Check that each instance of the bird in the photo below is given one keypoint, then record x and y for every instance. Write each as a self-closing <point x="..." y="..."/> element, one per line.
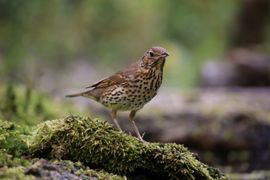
<point x="131" y="88"/>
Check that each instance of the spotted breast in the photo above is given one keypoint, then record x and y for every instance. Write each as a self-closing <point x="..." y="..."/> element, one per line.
<point x="135" y="93"/>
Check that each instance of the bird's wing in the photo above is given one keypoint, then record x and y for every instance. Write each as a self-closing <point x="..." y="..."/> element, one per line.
<point x="118" y="78"/>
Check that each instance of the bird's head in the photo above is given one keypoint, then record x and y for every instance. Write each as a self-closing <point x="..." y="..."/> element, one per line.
<point x="154" y="56"/>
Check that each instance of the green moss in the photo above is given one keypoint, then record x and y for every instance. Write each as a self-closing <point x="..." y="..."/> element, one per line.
<point x="12" y="147"/>
<point x="90" y="141"/>
<point x="14" y="173"/>
<point x="102" y="175"/>
<point x="99" y="145"/>
<point x="8" y="160"/>
<point x="11" y="139"/>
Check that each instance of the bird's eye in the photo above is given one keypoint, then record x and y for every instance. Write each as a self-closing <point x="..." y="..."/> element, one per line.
<point x="151" y="54"/>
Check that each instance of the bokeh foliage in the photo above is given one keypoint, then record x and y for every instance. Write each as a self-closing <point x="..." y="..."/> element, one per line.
<point x="35" y="34"/>
<point x="25" y="106"/>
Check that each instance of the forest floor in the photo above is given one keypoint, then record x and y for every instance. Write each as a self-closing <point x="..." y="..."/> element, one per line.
<point x="226" y="128"/>
<point x="229" y="128"/>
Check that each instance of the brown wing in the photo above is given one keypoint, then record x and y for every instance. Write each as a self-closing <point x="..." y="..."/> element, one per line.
<point x="118" y="78"/>
<point x="98" y="88"/>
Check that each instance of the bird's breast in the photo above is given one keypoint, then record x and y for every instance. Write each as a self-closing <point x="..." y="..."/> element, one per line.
<point x="133" y="94"/>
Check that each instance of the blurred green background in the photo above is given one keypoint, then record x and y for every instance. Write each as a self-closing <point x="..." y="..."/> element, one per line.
<point x="37" y="35"/>
<point x="52" y="48"/>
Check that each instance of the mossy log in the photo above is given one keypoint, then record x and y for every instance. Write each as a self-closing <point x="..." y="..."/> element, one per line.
<point x="98" y="145"/>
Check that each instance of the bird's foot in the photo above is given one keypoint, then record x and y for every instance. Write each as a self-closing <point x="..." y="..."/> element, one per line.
<point x="140" y="138"/>
<point x="145" y="142"/>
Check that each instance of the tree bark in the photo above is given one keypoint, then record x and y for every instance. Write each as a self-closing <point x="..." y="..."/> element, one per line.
<point x="250" y="24"/>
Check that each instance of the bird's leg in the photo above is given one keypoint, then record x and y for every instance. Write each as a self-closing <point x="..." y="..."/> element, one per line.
<point x="131" y="118"/>
<point x="113" y="114"/>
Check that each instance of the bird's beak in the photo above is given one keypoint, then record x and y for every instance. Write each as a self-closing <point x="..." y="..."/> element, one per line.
<point x="166" y="54"/>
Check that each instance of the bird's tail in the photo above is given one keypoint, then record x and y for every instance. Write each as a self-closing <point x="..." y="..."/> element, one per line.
<point x="74" y="95"/>
<point x="92" y="94"/>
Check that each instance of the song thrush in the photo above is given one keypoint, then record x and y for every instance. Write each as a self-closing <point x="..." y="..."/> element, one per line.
<point x="131" y="88"/>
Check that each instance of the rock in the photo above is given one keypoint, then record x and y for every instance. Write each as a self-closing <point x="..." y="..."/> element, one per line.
<point x="43" y="169"/>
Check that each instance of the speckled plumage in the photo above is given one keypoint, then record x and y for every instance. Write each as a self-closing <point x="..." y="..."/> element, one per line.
<point x="131" y="88"/>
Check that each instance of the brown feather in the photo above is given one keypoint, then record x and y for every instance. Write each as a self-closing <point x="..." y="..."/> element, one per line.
<point x="117" y="78"/>
<point x="73" y="95"/>
<point x="92" y="94"/>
